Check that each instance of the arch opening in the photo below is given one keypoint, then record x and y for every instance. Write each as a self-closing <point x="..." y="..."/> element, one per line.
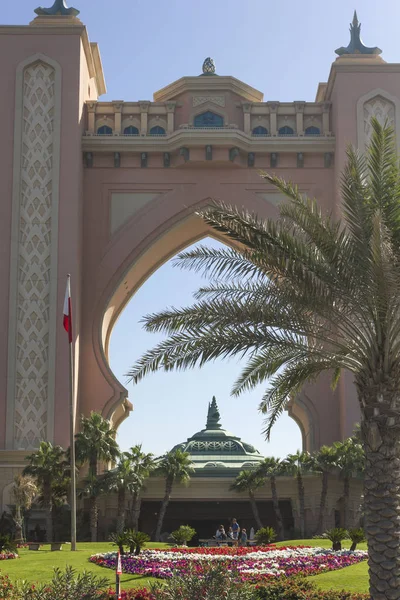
<point x="170" y="407"/>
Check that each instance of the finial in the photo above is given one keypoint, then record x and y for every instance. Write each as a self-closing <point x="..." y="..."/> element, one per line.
<point x="356" y="45"/>
<point x="209" y="67"/>
<point x="213" y="416"/>
<point x="59" y="8"/>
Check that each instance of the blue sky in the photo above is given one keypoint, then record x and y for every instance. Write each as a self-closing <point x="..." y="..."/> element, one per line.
<point x="282" y="49"/>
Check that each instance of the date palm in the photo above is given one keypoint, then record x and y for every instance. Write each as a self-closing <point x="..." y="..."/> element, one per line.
<point x="270" y="468"/>
<point x="143" y="464"/>
<point x="48" y="468"/>
<point x="305" y="294"/>
<point x="250" y="482"/>
<point x="297" y="465"/>
<point x="122" y="480"/>
<point x="95" y="442"/>
<point x="176" y="467"/>
<point x="325" y="461"/>
<point x="351" y="461"/>
<point x="24" y="492"/>
<point x="92" y="488"/>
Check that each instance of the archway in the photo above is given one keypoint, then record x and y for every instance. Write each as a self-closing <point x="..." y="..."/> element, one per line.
<point x="162" y="399"/>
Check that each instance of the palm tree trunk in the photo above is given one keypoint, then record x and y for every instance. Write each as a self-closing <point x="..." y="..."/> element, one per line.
<point x="346" y="497"/>
<point x="300" y="489"/>
<point x="121" y="511"/>
<point x="93" y="518"/>
<point x="19" y="538"/>
<point x="137" y="501"/>
<point x="254" y="508"/>
<point x="163" y="510"/>
<point x="382" y="508"/>
<point x="322" y="503"/>
<point x="47" y="502"/>
<point x="277" y="510"/>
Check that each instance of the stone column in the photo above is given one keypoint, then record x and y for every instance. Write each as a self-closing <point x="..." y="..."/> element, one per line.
<point x="91" y="107"/>
<point x="117" y="104"/>
<point x="273" y="110"/>
<point x="326" y="110"/>
<point x="144" y="110"/>
<point x="171" y="116"/>
<point x="299" y="107"/>
<point x="247" y="117"/>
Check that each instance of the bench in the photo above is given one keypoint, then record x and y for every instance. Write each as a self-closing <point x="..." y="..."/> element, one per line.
<point x="56" y="546"/>
<point x="34" y="545"/>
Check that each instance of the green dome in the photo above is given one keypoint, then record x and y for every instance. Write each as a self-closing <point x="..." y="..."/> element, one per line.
<point x="218" y="452"/>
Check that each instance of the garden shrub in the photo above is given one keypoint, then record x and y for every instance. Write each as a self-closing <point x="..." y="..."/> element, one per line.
<point x="336" y="536"/>
<point x="301" y="589"/>
<point x="266" y="535"/>
<point x="357" y="536"/>
<point x="184" y="534"/>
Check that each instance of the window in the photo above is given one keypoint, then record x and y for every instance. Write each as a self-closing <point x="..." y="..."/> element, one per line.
<point x="157" y="130"/>
<point x="312" y="131"/>
<point x="131" y="130"/>
<point x="286" y="130"/>
<point x="260" y="130"/>
<point x="104" y="130"/>
<point x="208" y="119"/>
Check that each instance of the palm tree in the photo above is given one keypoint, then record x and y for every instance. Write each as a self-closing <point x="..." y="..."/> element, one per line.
<point x="297" y="465"/>
<point x="92" y="487"/>
<point x="270" y="468"/>
<point x="48" y="468"/>
<point x="122" y="479"/>
<point x="249" y="481"/>
<point x="95" y="442"/>
<point x="24" y="492"/>
<point x="350" y="460"/>
<point x="324" y="462"/>
<point x="307" y="294"/>
<point x="143" y="465"/>
<point x="176" y="467"/>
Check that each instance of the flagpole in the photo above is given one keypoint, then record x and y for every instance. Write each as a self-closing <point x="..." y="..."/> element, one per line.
<point x="72" y="436"/>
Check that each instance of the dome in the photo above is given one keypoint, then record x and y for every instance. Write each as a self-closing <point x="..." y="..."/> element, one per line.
<point x="216" y="451"/>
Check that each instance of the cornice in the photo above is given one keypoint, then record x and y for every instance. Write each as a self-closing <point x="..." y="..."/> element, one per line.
<point x="197" y="84"/>
<point x="192" y="139"/>
<point x="64" y="26"/>
<point x="357" y="65"/>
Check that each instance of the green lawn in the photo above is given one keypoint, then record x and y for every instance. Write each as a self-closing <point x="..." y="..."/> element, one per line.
<point x="38" y="566"/>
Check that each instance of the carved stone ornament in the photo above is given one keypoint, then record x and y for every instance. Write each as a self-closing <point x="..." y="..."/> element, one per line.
<point x="380" y="108"/>
<point x="59" y="8"/>
<point x="209" y="66"/>
<point x="218" y="100"/>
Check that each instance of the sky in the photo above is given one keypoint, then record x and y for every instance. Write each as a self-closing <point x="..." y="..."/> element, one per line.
<point x="283" y="49"/>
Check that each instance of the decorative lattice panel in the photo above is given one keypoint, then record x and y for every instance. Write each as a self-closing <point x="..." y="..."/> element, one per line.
<point x="380" y="108"/>
<point x="34" y="249"/>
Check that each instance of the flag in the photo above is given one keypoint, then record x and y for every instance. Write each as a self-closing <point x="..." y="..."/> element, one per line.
<point x="119" y="566"/>
<point x="67" y="316"/>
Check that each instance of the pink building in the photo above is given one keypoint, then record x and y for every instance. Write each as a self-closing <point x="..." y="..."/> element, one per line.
<point x="106" y="191"/>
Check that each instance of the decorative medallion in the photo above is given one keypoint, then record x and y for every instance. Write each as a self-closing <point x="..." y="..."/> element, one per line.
<point x="59" y="8"/>
<point x="356" y="45"/>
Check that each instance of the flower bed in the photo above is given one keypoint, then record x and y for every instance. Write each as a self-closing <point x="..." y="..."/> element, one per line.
<point x="8" y="555"/>
<point x="245" y="564"/>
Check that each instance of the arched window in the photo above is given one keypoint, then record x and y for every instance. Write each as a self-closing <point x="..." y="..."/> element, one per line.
<point x="208" y="119"/>
<point x="104" y="130"/>
<point x="131" y="130"/>
<point x="260" y="130"/>
<point x="157" y="130"/>
<point x="312" y="131"/>
<point x="286" y="130"/>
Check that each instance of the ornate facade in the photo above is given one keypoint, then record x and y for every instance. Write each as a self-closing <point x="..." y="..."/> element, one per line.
<point x="107" y="191"/>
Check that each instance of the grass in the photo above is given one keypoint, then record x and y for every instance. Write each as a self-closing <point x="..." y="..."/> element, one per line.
<point x="37" y="566"/>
